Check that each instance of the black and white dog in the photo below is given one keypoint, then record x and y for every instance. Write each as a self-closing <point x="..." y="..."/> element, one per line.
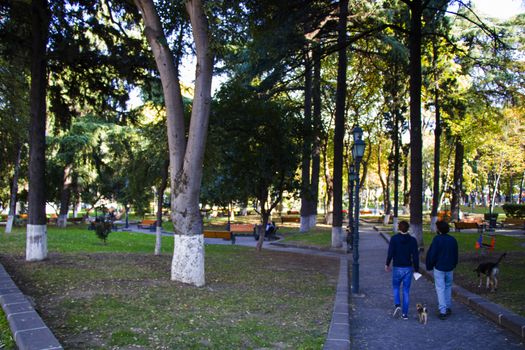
<point x="491" y="271"/>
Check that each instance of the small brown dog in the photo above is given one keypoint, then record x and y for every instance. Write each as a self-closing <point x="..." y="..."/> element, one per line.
<point x="422" y="314"/>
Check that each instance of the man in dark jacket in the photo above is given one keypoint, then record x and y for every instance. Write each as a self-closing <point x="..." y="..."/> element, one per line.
<point x="442" y="257"/>
<point x="402" y="249"/>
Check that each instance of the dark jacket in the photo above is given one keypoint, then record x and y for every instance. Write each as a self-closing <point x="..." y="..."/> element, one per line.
<point x="443" y="253"/>
<point x="403" y="250"/>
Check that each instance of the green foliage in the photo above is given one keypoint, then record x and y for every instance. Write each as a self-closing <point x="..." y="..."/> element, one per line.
<point x="514" y="210"/>
<point x="253" y="147"/>
<point x="6" y="339"/>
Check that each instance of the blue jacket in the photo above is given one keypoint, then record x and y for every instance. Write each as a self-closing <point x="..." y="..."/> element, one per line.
<point x="443" y="253"/>
<point x="403" y="250"/>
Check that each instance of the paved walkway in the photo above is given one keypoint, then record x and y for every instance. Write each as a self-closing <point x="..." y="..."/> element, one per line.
<point x="372" y="325"/>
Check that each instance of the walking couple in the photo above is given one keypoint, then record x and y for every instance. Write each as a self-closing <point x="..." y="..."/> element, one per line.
<point x="442" y="257"/>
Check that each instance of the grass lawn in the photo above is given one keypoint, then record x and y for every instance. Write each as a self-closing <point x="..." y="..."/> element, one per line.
<point x="119" y="295"/>
<point x="511" y="291"/>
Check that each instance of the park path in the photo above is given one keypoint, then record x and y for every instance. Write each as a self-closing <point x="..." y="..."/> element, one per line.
<point x="372" y="326"/>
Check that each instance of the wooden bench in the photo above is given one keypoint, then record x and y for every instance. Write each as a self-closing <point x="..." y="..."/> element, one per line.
<point x="227" y="235"/>
<point x="513" y="222"/>
<point x="147" y="224"/>
<point x="467" y="225"/>
<point x="365" y="212"/>
<point x="290" y="219"/>
<point x="76" y="221"/>
<point x="242" y="229"/>
<point x="444" y="215"/>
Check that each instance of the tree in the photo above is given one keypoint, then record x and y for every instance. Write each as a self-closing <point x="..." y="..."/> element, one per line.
<point x="36" y="243"/>
<point x="337" y="223"/>
<point x="261" y="155"/>
<point x="186" y="158"/>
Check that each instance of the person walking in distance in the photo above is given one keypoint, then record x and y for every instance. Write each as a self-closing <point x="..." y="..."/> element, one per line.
<point x="402" y="250"/>
<point x="442" y="257"/>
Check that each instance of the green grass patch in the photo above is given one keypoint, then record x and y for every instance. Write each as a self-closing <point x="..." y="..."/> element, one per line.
<point x="96" y="296"/>
<point x="6" y="340"/>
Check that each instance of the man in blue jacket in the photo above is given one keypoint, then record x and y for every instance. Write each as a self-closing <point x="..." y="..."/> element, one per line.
<point x="402" y="249"/>
<point x="442" y="257"/>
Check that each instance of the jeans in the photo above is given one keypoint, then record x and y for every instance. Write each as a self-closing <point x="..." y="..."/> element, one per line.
<point x="443" y="282"/>
<point x="402" y="275"/>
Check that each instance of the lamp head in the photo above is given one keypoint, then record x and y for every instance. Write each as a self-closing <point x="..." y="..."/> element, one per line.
<point x="357" y="133"/>
<point x="358" y="150"/>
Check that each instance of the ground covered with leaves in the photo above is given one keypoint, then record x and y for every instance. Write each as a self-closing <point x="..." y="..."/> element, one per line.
<point x="251" y="300"/>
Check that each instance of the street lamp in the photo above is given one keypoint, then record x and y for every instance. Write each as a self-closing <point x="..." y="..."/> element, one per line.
<point x="350" y="231"/>
<point x="358" y="150"/>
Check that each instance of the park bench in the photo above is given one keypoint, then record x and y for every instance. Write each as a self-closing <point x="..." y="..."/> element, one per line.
<point x="147" y="224"/>
<point x="514" y="222"/>
<point x="365" y="212"/>
<point x="290" y="219"/>
<point x="76" y="221"/>
<point x="242" y="229"/>
<point x="459" y="225"/>
<point x="444" y="215"/>
<point x="227" y="235"/>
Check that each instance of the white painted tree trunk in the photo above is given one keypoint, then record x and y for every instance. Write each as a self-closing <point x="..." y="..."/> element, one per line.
<point x="386" y="219"/>
<point x="9" y="225"/>
<point x="158" y="240"/>
<point x="414" y="229"/>
<point x="313" y="221"/>
<point x="62" y="220"/>
<point x="433" y="226"/>
<point x="337" y="234"/>
<point x="305" y="224"/>
<point x="395" y="224"/>
<point x="36" y="245"/>
<point x="187" y="265"/>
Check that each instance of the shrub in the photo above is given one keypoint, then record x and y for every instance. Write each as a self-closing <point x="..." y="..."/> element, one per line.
<point x="514" y="210"/>
<point x="102" y="228"/>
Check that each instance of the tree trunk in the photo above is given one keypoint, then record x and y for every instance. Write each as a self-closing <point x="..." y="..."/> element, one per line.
<point x="457" y="188"/>
<point x="36" y="243"/>
<point x="307" y="144"/>
<point x="14" y="192"/>
<point x="160" y="202"/>
<point x="65" y="196"/>
<point x="416" y="140"/>
<point x="317" y="126"/>
<point x="397" y="159"/>
<point x="339" y="132"/>
<point x="406" y="192"/>
<point x="521" y="188"/>
<point x="437" y="144"/>
<point x="186" y="162"/>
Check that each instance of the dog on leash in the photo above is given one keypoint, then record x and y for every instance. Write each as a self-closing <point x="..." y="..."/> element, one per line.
<point x="491" y="271"/>
<point x="422" y="314"/>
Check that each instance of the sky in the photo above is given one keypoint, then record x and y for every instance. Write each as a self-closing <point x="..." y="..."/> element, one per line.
<point x="502" y="9"/>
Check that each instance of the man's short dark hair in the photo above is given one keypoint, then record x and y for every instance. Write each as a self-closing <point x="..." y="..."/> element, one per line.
<point x="403" y="226"/>
<point x="442" y="227"/>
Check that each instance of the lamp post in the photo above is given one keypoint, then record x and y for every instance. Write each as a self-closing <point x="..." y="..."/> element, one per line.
<point x="349" y="234"/>
<point x="358" y="150"/>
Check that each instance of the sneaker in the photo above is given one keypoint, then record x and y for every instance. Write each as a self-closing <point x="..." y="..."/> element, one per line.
<point x="404" y="317"/>
<point x="449" y="311"/>
<point x="397" y="311"/>
<point x="442" y="316"/>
